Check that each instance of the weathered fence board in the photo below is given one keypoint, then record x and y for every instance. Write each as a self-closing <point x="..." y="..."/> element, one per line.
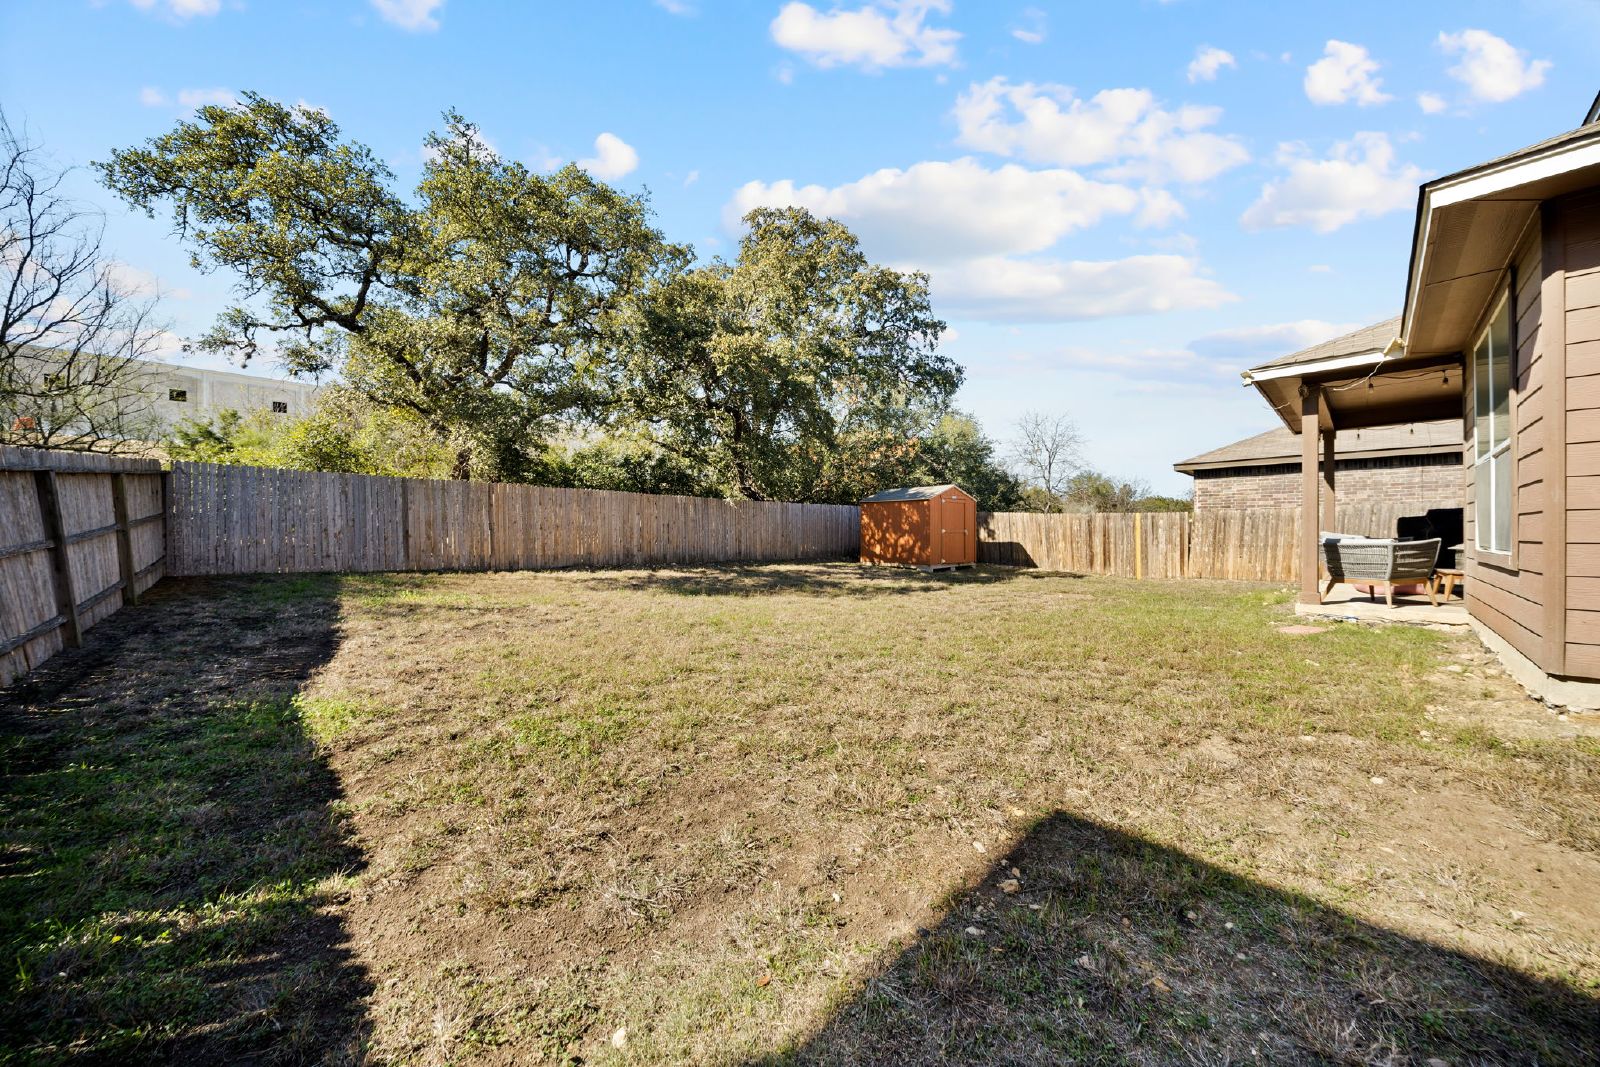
<point x="1244" y="544"/>
<point x="80" y="535"/>
<point x="240" y="520"/>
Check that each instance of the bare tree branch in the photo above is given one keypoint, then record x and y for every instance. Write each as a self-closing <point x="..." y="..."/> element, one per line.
<point x="1046" y="453"/>
<point x="73" y="334"/>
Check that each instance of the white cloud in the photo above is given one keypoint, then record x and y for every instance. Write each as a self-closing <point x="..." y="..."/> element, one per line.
<point x="1359" y="179"/>
<point x="1123" y="127"/>
<point x="1207" y="62"/>
<point x="677" y="7"/>
<point x="1000" y="289"/>
<point x="978" y="230"/>
<point x="887" y="33"/>
<point x="1490" y="67"/>
<point x="942" y="211"/>
<point x="1157" y="207"/>
<point x="690" y="178"/>
<point x="613" y="157"/>
<point x="138" y="282"/>
<point x="1248" y="345"/>
<point x="414" y="15"/>
<point x="1345" y="73"/>
<point x="1032" y="27"/>
<point x="189" y="99"/>
<point x="1431" y="103"/>
<point x="1320" y="268"/>
<point x="181" y="9"/>
<point x="193" y="98"/>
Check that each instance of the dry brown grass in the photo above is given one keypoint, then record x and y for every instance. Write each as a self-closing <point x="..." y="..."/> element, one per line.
<point x="754" y="815"/>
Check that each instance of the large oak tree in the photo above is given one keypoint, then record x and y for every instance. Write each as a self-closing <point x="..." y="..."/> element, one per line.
<point x="800" y="371"/>
<point x="474" y="304"/>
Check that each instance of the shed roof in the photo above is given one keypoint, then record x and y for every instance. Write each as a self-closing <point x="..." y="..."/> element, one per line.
<point x="912" y="492"/>
<point x="1279" y="445"/>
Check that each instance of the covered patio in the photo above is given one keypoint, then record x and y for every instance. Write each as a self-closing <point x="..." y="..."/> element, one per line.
<point x="1347" y="603"/>
<point x="1362" y="380"/>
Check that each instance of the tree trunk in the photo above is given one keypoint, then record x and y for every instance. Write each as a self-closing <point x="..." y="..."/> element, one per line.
<point x="462" y="470"/>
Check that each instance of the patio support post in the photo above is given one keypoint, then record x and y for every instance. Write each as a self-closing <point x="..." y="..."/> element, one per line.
<point x="1330" y="508"/>
<point x="1310" y="438"/>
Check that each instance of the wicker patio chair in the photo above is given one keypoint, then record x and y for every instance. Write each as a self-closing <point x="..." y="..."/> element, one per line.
<point x="1380" y="561"/>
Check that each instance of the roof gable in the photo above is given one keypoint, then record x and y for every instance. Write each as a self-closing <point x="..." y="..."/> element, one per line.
<point x="914" y="492"/>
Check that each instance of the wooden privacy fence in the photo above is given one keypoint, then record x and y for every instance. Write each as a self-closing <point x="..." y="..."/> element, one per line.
<point x="80" y="535"/>
<point x="1244" y="544"/>
<point x="246" y="520"/>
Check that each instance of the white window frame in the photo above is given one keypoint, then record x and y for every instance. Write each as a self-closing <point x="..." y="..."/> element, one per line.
<point x="1483" y="531"/>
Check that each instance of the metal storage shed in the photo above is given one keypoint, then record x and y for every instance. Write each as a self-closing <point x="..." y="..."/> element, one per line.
<point x="927" y="526"/>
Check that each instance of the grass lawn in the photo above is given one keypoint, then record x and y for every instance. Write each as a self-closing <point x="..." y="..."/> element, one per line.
<point x="787" y="814"/>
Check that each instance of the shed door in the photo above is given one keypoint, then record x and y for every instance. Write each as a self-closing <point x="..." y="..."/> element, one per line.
<point x="952" y="519"/>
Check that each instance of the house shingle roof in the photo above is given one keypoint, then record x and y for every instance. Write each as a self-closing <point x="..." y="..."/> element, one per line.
<point x="1588" y="129"/>
<point x="1365" y="339"/>
<point x="1279" y="445"/>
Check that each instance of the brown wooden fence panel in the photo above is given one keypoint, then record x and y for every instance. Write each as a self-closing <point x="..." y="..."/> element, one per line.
<point x="80" y="535"/>
<point x="240" y="520"/>
<point x="1243" y="544"/>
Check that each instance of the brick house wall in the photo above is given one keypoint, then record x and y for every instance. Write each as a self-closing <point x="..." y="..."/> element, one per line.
<point x="1428" y="481"/>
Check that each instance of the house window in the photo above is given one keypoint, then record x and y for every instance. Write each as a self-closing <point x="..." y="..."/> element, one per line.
<point x="280" y="407"/>
<point x="1491" y="407"/>
<point x="178" y="396"/>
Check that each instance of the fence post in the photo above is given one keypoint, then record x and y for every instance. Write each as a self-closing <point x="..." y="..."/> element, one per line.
<point x="119" y="505"/>
<point x="405" y="525"/>
<point x="60" y="566"/>
<point x="1138" y="544"/>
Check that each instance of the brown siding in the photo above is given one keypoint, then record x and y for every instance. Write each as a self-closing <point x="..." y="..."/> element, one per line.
<point x="1425" y="481"/>
<point x="896" y="531"/>
<point x="1577" y="242"/>
<point x="1509" y="595"/>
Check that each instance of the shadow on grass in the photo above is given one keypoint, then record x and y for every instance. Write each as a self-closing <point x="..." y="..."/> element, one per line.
<point x="171" y="840"/>
<point x="819" y="580"/>
<point x="1111" y="949"/>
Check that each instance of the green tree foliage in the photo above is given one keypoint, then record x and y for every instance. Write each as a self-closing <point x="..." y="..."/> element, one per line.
<point x="344" y="432"/>
<point x="626" y="464"/>
<point x="957" y="451"/>
<point x="1093" y="491"/>
<point x="227" y="438"/>
<point x="1165" y="503"/>
<point x="800" y="371"/>
<point x="473" y="307"/>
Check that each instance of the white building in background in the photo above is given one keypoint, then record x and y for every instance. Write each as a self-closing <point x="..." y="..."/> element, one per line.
<point x="178" y="392"/>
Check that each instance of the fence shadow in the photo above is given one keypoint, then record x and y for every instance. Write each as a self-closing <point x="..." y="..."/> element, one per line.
<point x="818" y="580"/>
<point x="1111" y="949"/>
<point x="1005" y="554"/>
<point x="169" y="833"/>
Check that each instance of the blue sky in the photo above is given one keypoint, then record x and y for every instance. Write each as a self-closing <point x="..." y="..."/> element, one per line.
<point x="1121" y="204"/>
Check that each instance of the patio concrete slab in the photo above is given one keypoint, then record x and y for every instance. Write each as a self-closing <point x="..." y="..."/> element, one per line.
<point x="1346" y="603"/>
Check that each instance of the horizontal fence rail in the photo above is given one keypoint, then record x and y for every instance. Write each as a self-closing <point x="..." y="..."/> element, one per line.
<point x="80" y="535"/>
<point x="246" y="520"/>
<point x="1243" y="544"/>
